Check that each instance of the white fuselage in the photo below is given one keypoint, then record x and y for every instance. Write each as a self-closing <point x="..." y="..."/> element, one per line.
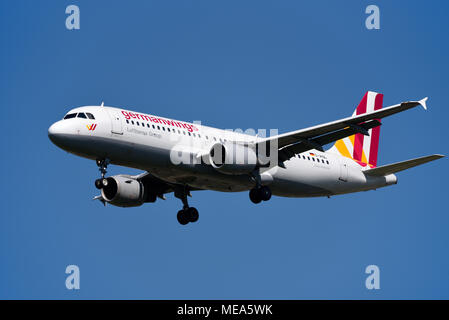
<point x="151" y="143"/>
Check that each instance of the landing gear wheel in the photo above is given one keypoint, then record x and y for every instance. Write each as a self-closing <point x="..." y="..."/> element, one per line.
<point x="193" y="215"/>
<point x="101" y="183"/>
<point x="183" y="218"/>
<point x="265" y="193"/>
<point x="255" y="196"/>
<point x="98" y="184"/>
<point x="262" y="193"/>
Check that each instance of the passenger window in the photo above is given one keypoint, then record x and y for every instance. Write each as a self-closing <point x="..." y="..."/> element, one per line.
<point x="190" y="134"/>
<point x="82" y="115"/>
<point x="148" y="125"/>
<point x="70" y="116"/>
<point x="127" y="121"/>
<point x="308" y="158"/>
<point x="90" y="115"/>
<point x="159" y="128"/>
<point x="132" y="122"/>
<point x="327" y="162"/>
<point x="163" y="128"/>
<point x="168" y="129"/>
<point x="194" y="135"/>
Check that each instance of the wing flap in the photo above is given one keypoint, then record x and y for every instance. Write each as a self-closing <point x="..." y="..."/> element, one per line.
<point x="400" y="166"/>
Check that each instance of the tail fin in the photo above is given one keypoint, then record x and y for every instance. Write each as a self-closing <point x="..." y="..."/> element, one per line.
<point x="361" y="148"/>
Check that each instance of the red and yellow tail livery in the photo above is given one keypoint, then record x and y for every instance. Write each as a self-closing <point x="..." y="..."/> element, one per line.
<point x="360" y="148"/>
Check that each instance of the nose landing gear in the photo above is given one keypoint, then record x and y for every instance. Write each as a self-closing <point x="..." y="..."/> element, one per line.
<point x="102" y="166"/>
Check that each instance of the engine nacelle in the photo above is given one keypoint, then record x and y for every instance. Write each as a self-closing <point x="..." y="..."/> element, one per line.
<point x="123" y="191"/>
<point x="232" y="158"/>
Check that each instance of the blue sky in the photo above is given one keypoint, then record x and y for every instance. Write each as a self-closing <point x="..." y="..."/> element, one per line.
<point x="230" y="64"/>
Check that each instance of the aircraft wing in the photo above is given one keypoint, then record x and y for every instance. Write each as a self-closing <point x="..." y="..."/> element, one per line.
<point x="316" y="137"/>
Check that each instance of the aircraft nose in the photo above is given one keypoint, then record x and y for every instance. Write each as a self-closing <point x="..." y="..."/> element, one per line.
<point x="55" y="132"/>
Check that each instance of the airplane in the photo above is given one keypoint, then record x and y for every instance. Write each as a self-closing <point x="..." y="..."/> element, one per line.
<point x="180" y="157"/>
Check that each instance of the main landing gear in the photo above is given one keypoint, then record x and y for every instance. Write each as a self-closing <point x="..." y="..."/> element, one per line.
<point x="260" y="193"/>
<point x="102" y="166"/>
<point x="186" y="214"/>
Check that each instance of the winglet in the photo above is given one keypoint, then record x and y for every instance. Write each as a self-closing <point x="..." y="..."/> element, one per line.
<point x="422" y="102"/>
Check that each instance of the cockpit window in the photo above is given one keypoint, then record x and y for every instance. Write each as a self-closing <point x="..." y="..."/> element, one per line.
<point x="82" y="115"/>
<point x="90" y="115"/>
<point x="70" y="116"/>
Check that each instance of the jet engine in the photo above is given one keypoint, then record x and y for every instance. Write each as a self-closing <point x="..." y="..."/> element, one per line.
<point x="232" y="158"/>
<point x="123" y="191"/>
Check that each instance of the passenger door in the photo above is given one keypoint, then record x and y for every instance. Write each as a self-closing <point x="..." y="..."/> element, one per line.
<point x="116" y="121"/>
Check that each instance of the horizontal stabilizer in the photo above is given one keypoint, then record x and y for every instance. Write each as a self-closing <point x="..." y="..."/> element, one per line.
<point x="399" y="166"/>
